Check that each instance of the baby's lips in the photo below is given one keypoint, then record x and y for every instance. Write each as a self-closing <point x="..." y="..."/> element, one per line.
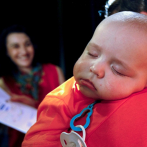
<point x="71" y="140"/>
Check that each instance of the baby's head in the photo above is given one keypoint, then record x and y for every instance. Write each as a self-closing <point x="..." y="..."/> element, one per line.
<point x="114" y="63"/>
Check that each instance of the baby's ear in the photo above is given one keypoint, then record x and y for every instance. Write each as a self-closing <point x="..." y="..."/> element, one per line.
<point x="143" y="12"/>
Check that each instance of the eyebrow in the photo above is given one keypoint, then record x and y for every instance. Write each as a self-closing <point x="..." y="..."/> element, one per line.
<point x="16" y="43"/>
<point x="13" y="44"/>
<point x="93" y="45"/>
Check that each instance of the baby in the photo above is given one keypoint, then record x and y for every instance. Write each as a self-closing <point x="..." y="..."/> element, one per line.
<point x="113" y="70"/>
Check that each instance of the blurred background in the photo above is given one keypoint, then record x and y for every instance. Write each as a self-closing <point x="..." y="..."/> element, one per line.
<point x="61" y="28"/>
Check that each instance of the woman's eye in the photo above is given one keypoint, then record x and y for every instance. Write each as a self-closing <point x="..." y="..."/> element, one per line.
<point x="16" y="46"/>
<point x="28" y="44"/>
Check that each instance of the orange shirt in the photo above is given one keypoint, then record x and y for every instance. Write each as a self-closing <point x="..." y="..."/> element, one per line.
<point x="120" y="123"/>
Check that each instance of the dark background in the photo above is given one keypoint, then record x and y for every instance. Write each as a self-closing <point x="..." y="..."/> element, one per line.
<point x="61" y="28"/>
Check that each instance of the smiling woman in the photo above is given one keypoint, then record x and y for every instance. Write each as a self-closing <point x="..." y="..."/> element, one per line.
<point x="22" y="76"/>
<point x="20" y="50"/>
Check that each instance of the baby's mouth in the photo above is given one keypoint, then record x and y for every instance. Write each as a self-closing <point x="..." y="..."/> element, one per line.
<point x="88" y="84"/>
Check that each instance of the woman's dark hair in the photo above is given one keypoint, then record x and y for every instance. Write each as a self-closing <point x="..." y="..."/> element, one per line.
<point x="6" y="65"/>
<point x="127" y="5"/>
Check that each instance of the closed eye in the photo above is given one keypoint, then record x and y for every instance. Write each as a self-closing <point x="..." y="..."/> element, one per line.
<point x="117" y="72"/>
<point x="92" y="54"/>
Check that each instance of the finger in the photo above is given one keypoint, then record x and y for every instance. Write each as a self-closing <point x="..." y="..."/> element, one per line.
<point x="16" y="99"/>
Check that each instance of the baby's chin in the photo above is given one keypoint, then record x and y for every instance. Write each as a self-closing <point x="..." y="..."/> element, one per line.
<point x="106" y="97"/>
<point x="88" y="94"/>
<point x="113" y="98"/>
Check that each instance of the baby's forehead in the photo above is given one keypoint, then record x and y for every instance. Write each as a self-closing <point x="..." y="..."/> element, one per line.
<point x="127" y="18"/>
<point x="133" y="28"/>
<point x="129" y="33"/>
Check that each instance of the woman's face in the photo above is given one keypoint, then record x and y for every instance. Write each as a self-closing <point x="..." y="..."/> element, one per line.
<point x="20" y="50"/>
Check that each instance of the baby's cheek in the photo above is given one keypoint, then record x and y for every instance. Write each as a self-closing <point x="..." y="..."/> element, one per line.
<point x="110" y="85"/>
<point x="114" y="88"/>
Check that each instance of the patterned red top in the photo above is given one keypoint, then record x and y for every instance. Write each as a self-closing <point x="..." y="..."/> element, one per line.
<point x="48" y="82"/>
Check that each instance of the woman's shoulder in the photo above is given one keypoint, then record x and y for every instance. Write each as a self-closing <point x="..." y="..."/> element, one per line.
<point x="1" y="81"/>
<point x="49" y="65"/>
<point x="56" y="70"/>
<point x="49" y="68"/>
<point x="3" y="85"/>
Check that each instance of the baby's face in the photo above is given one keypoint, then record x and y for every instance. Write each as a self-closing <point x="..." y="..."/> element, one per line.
<point x="113" y="64"/>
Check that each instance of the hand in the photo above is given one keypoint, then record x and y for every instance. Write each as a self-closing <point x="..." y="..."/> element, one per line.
<point x="24" y="99"/>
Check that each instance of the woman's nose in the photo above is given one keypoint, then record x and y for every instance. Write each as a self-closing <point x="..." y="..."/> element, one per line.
<point x="23" y="50"/>
<point x="98" y="70"/>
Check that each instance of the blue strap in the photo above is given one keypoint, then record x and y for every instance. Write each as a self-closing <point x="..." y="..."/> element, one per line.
<point x="89" y="107"/>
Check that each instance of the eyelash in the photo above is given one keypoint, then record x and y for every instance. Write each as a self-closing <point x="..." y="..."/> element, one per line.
<point x="92" y="55"/>
<point x="118" y="73"/>
<point x="27" y="44"/>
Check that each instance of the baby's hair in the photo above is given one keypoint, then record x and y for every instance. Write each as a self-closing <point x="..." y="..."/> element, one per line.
<point x="113" y="6"/>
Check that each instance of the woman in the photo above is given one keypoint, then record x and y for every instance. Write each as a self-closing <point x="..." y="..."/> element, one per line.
<point x="26" y="80"/>
<point x="114" y="6"/>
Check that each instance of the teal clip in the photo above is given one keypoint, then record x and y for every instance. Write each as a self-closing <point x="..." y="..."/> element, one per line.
<point x="89" y="107"/>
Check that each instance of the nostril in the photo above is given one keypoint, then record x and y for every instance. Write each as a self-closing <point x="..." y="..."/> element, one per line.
<point x="65" y="142"/>
<point x="91" y="70"/>
<point x="98" y="76"/>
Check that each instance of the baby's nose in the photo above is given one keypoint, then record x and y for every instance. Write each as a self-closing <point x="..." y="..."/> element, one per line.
<point x="98" y="70"/>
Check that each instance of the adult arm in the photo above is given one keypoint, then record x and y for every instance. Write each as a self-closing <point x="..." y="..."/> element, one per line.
<point x="18" y="98"/>
<point x="3" y="86"/>
<point x="24" y="99"/>
<point x="60" y="75"/>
